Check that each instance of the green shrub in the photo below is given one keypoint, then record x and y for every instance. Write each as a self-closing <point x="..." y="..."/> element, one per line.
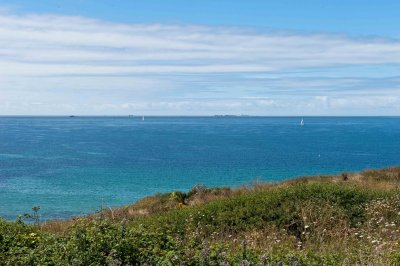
<point x="312" y="224"/>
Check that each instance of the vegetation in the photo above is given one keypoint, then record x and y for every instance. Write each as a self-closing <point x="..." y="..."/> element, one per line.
<point x="349" y="219"/>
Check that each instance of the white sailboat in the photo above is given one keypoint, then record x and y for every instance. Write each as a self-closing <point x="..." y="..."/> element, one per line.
<point x="302" y="122"/>
<point x="142" y="118"/>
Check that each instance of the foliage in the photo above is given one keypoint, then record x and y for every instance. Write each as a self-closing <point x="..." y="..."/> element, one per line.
<point x="296" y="223"/>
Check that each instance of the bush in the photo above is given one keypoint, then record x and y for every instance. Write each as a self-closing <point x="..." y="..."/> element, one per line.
<point x="296" y="224"/>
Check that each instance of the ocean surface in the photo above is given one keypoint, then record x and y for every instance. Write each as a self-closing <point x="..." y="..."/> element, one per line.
<point x="72" y="165"/>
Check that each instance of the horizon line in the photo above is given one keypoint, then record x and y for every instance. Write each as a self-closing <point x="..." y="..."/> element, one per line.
<point x="216" y="115"/>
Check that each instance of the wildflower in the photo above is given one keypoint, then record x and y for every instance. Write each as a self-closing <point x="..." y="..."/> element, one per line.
<point x="306" y="226"/>
<point x="222" y="254"/>
<point x="245" y="263"/>
<point x="264" y="258"/>
<point x="299" y="245"/>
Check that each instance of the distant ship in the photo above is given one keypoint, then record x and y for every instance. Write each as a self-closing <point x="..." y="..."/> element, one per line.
<point x="142" y="118"/>
<point x="302" y="122"/>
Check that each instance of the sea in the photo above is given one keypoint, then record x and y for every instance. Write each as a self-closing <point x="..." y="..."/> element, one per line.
<point x="71" y="166"/>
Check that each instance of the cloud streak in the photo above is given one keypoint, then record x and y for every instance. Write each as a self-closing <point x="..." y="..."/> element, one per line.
<point x="154" y="63"/>
<point x="98" y="47"/>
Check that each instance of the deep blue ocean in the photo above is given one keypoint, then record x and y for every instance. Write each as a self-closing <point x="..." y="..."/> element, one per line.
<point x="73" y="165"/>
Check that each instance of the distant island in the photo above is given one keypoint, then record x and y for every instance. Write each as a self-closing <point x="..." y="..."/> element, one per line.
<point x="346" y="219"/>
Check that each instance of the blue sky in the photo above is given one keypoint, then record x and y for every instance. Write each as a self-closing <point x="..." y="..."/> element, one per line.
<point x="199" y="57"/>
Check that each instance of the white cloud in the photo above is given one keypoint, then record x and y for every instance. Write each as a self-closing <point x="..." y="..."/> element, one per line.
<point x="72" y="45"/>
<point x="372" y="102"/>
<point x="54" y="60"/>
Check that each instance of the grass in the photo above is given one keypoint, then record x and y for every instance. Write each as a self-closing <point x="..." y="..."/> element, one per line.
<point x="349" y="219"/>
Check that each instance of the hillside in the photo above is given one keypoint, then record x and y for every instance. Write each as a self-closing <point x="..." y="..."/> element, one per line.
<point x="349" y="219"/>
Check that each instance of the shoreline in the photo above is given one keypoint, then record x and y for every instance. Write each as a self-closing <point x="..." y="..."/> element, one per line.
<point x="136" y="208"/>
<point x="355" y="175"/>
<point x="346" y="219"/>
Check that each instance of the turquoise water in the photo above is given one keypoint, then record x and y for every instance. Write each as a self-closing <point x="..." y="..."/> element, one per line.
<point x="69" y="166"/>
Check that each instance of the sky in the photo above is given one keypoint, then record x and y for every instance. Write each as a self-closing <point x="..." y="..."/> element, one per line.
<point x="175" y="57"/>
